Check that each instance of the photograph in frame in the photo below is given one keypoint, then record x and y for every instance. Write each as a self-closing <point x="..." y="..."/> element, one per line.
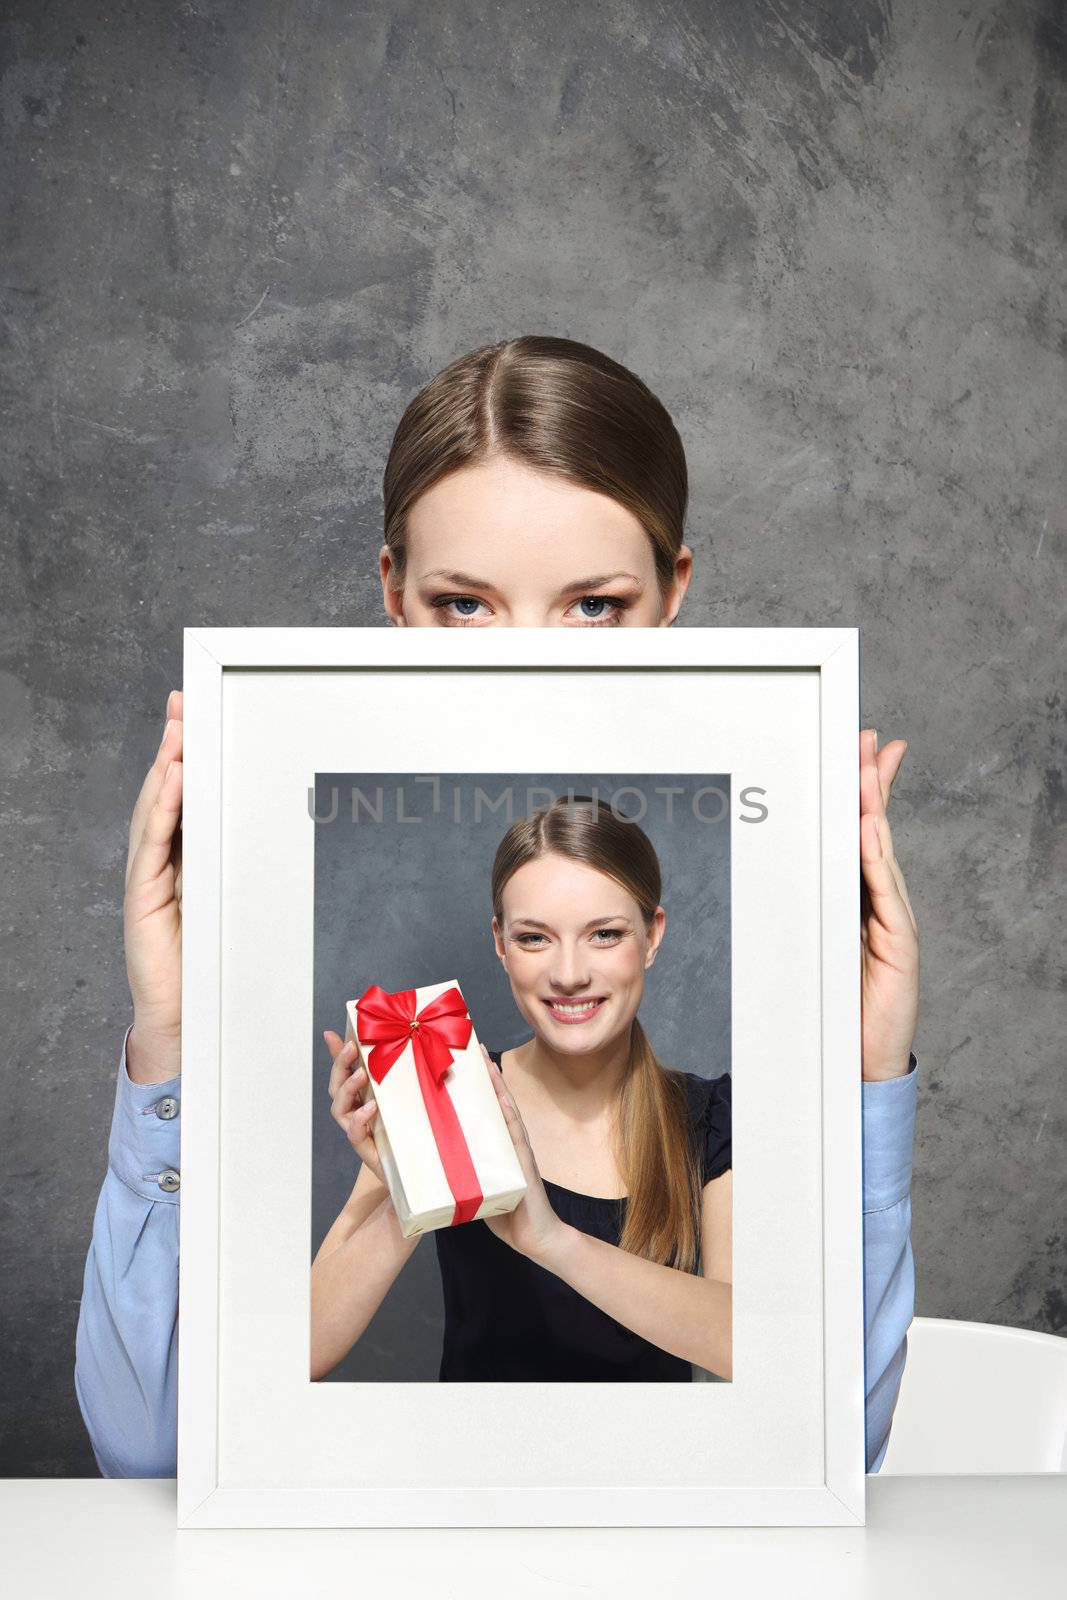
<point x="472" y="1307"/>
<point x="270" y="713"/>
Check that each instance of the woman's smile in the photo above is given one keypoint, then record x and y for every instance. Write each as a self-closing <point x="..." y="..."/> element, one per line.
<point x="572" y="1011"/>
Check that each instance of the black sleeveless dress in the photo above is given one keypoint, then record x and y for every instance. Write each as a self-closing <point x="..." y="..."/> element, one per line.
<point x="509" y="1319"/>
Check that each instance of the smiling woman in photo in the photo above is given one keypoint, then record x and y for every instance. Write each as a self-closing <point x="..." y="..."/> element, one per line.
<point x="593" y="1275"/>
<point x="535" y="482"/>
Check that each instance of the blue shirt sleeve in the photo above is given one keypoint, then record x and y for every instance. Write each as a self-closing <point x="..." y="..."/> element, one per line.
<point x="126" y="1345"/>
<point x="888" y="1264"/>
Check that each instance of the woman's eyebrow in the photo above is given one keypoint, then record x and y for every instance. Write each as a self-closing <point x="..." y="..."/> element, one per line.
<point x="598" y="581"/>
<point x="467" y="580"/>
<point x="532" y="922"/>
<point x="461" y="579"/>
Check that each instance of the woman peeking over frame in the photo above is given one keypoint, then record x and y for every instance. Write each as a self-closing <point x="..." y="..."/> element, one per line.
<point x="532" y="483"/>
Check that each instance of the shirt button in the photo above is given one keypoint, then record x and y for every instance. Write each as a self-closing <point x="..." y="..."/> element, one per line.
<point x="167" y="1107"/>
<point x="169" y="1180"/>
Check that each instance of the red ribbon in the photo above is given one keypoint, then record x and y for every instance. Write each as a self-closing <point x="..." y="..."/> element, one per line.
<point x="441" y="1027"/>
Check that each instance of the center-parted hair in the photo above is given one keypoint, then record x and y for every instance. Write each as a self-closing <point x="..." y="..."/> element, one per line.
<point x="557" y="406"/>
<point x="656" y="1153"/>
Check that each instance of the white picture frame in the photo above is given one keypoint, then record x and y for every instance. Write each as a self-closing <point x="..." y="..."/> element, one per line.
<point x="259" y="1444"/>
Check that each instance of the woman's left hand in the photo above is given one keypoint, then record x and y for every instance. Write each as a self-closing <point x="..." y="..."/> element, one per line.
<point x="889" y="940"/>
<point x="533" y="1228"/>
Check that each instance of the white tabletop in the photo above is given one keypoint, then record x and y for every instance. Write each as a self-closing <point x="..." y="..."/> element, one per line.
<point x="77" y="1538"/>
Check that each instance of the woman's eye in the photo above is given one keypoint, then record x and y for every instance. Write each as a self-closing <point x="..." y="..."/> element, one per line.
<point x="597" y="617"/>
<point x="457" y="600"/>
<point x="602" y="618"/>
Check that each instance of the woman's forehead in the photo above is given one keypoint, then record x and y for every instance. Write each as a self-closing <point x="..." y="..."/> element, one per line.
<point x="501" y="529"/>
<point x="566" y="885"/>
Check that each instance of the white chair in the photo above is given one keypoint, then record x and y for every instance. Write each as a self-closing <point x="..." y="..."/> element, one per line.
<point x="979" y="1398"/>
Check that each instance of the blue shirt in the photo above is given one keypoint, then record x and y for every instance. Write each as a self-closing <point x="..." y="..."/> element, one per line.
<point x="126" y="1347"/>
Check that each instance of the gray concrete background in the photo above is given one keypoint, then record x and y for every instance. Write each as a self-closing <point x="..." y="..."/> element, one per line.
<point x="237" y="238"/>
<point x="423" y="887"/>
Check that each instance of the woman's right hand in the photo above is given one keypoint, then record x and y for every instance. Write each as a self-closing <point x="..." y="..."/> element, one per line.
<point x="351" y="1107"/>
<point x="152" y="911"/>
<point x="365" y="1248"/>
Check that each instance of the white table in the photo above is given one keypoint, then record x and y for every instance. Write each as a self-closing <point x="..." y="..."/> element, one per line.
<point x="78" y="1538"/>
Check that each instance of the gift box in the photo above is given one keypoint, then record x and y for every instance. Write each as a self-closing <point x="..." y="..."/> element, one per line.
<point x="440" y="1134"/>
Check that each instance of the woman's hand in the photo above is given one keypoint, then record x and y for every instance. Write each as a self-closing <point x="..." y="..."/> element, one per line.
<point x="152" y="911"/>
<point x="351" y="1107"/>
<point x="533" y="1228"/>
<point x="889" y="954"/>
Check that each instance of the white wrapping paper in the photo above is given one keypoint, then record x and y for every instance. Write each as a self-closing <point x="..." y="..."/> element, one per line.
<point x="404" y="1138"/>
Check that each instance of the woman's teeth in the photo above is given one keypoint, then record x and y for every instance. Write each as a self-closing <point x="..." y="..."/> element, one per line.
<point x="574" y="1012"/>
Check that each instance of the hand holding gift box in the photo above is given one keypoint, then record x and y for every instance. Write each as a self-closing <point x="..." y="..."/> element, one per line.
<point x="445" y="1149"/>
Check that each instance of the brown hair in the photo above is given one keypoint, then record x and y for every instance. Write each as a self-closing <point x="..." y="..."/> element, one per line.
<point x="559" y="407"/>
<point x="656" y="1154"/>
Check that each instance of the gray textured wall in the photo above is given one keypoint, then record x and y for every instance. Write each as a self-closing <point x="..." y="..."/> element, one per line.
<point x="237" y="237"/>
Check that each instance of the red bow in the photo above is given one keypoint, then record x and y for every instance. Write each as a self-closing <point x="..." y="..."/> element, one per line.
<point x="441" y="1027"/>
